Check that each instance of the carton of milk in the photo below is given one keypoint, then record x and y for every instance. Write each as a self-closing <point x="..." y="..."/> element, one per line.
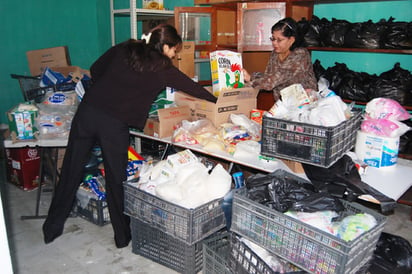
<point x="226" y="67"/>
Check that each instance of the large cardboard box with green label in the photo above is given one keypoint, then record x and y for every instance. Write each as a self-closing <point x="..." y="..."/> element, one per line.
<point x="236" y="101"/>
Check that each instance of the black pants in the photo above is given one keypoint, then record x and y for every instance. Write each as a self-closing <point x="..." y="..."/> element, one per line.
<point x="91" y="126"/>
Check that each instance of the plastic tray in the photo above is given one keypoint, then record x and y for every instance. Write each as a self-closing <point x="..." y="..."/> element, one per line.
<point x="216" y="253"/>
<point x="188" y="225"/>
<point x="164" y="249"/>
<point x="303" y="245"/>
<point x="96" y="212"/>
<point x="306" y="143"/>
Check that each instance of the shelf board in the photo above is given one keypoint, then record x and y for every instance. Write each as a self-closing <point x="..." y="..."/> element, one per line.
<point x="394" y="51"/>
<point x="146" y="13"/>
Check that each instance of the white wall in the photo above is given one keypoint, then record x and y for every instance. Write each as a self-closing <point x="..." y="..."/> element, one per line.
<point x="5" y="259"/>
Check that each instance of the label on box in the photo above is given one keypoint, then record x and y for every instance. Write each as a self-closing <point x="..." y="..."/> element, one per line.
<point x="15" y="164"/>
<point x="226" y="68"/>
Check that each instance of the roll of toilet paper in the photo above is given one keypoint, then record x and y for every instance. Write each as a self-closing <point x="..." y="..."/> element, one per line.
<point x="376" y="151"/>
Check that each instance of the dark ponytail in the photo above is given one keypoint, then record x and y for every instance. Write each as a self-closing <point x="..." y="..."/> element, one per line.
<point x="147" y="54"/>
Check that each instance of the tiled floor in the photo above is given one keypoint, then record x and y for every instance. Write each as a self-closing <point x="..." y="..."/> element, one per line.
<point x="88" y="248"/>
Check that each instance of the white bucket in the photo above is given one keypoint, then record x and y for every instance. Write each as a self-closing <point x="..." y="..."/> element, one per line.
<point x="376" y="151"/>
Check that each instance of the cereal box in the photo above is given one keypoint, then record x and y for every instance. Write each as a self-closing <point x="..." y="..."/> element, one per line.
<point x="226" y="67"/>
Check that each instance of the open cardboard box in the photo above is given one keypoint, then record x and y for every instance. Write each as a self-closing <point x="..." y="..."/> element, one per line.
<point x="39" y="59"/>
<point x="164" y="125"/>
<point x="236" y="101"/>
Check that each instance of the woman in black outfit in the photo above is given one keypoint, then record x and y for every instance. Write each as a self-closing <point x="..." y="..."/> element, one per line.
<point x="126" y="80"/>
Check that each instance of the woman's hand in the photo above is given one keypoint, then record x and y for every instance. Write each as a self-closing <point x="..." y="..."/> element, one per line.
<point x="246" y="75"/>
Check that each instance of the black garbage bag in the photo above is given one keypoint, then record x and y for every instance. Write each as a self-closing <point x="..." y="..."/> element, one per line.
<point x="347" y="83"/>
<point x="335" y="33"/>
<point x="364" y="35"/>
<point x="397" y="35"/>
<point x="389" y="89"/>
<point x="334" y="75"/>
<point x="405" y="141"/>
<point x="352" y="87"/>
<point x="318" y="69"/>
<point x="257" y="186"/>
<point x="342" y="180"/>
<point x="396" y="84"/>
<point x="312" y="31"/>
<point x="317" y="202"/>
<point x="283" y="191"/>
<point x="303" y="28"/>
<point x="393" y="254"/>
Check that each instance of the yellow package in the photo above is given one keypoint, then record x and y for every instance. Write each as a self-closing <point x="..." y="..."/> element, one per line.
<point x="153" y="5"/>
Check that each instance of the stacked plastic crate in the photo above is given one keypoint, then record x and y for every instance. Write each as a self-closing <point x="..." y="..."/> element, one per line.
<point x="301" y="244"/>
<point x="170" y="234"/>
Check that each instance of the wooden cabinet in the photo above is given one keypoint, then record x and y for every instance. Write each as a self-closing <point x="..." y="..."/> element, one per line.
<point x="235" y="25"/>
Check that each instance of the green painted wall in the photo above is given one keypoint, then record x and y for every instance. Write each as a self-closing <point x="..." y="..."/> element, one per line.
<point x="83" y="26"/>
<point x="372" y="63"/>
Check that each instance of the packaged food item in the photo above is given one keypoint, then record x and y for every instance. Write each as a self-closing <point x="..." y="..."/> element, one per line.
<point x="226" y="67"/>
<point x="153" y="5"/>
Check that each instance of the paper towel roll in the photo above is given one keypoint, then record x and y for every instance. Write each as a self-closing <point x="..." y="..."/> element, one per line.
<point x="376" y="151"/>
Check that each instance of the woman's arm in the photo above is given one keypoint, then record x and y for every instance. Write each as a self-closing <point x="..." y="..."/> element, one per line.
<point x="296" y="69"/>
<point x="180" y="81"/>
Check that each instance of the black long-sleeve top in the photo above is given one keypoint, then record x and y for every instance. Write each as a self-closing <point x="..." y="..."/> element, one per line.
<point x="127" y="94"/>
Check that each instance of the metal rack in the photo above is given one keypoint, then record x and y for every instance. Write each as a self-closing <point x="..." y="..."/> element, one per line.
<point x="135" y="15"/>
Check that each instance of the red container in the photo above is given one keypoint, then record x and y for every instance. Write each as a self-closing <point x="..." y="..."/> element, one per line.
<point x="23" y="166"/>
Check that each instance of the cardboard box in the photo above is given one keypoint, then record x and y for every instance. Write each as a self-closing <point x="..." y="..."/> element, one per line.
<point x="164" y="125"/>
<point x="23" y="166"/>
<point x="294" y="166"/>
<point x="185" y="59"/>
<point x="236" y="101"/>
<point x="76" y="72"/>
<point x="22" y="122"/>
<point x="51" y="57"/>
<point x="226" y="68"/>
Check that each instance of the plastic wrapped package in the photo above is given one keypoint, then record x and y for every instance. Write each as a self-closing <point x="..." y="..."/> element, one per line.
<point x="385" y="108"/>
<point x="54" y="122"/>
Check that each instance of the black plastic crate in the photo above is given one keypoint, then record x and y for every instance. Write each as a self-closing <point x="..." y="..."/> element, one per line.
<point x="225" y="253"/>
<point x="306" y="143"/>
<point x="188" y="225"/>
<point x="164" y="249"/>
<point x="96" y="211"/>
<point x="216" y="253"/>
<point x="303" y="245"/>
